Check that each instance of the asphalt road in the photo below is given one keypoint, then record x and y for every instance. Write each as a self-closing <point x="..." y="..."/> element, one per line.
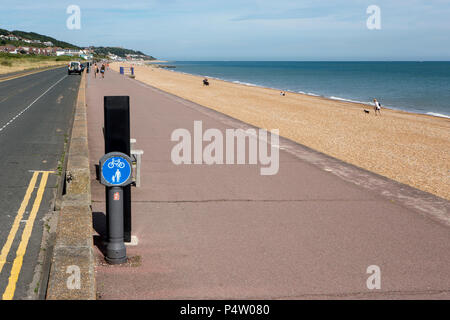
<point x="35" y="115"/>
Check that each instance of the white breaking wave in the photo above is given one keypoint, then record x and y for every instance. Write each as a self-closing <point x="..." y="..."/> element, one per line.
<point x="244" y="83"/>
<point x="438" y="115"/>
<point x="348" y="100"/>
<point x="309" y="93"/>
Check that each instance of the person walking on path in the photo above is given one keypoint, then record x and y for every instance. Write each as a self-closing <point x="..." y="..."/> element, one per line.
<point x="95" y="70"/>
<point x="102" y="70"/>
<point x="377" y="107"/>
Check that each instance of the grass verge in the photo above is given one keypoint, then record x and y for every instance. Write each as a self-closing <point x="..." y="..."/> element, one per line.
<point x="18" y="62"/>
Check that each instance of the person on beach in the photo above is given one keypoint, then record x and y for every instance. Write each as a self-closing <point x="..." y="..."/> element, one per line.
<point x="377" y="107"/>
<point x="102" y="70"/>
<point x="205" y="82"/>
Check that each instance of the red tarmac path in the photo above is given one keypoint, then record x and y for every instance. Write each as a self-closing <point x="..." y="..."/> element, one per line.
<point x="226" y="232"/>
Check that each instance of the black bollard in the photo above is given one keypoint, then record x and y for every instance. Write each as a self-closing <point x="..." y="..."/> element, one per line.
<point x="116" y="253"/>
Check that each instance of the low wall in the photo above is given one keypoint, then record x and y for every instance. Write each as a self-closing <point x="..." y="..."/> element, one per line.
<point x="72" y="274"/>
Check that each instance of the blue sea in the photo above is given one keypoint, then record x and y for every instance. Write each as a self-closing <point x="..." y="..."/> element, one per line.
<point x="420" y="87"/>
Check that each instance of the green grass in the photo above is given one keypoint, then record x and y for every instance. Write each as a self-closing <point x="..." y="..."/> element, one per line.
<point x="18" y="62"/>
<point x="63" y="155"/>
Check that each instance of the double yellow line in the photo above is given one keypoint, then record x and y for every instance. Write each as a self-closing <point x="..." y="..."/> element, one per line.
<point x="21" y="250"/>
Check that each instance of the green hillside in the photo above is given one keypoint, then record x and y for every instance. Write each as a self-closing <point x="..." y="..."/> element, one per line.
<point x="37" y="36"/>
<point x="121" y="52"/>
<point x="21" y="44"/>
<point x="100" y="51"/>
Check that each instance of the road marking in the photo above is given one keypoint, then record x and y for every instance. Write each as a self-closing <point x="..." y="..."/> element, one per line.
<point x="21" y="250"/>
<point x="15" y="226"/>
<point x="29" y="106"/>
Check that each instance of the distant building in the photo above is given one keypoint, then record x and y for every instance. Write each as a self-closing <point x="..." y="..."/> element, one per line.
<point x="11" y="49"/>
<point x="113" y="56"/>
<point x="49" y="51"/>
<point x="12" y="37"/>
<point x="23" y="50"/>
<point x="69" y="52"/>
<point x="48" y="43"/>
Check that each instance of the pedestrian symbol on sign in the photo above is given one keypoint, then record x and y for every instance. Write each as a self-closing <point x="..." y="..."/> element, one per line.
<point x="116" y="177"/>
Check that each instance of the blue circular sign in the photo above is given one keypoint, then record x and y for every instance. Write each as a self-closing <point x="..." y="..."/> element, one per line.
<point x="116" y="170"/>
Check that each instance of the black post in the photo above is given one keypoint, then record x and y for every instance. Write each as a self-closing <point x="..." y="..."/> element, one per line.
<point x="117" y="139"/>
<point x="116" y="253"/>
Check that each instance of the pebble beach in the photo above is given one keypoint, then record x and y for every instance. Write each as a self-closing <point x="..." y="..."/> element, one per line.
<point x="410" y="148"/>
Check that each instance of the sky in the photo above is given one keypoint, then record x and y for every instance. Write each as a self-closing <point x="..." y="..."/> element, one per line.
<point x="284" y="30"/>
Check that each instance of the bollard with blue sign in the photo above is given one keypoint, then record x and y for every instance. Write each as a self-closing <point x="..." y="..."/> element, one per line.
<point x="117" y="139"/>
<point x="115" y="174"/>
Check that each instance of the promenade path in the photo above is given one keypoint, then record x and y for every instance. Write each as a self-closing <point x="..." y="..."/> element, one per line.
<point x="225" y="231"/>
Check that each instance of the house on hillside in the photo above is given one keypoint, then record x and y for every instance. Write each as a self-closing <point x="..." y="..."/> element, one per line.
<point x="60" y="52"/>
<point x="36" y="50"/>
<point x="23" y="50"/>
<point x="11" y="49"/>
<point x="69" y="52"/>
<point x="12" y="37"/>
<point x="55" y="49"/>
<point x="49" y="51"/>
<point x="48" y="43"/>
<point x="112" y="56"/>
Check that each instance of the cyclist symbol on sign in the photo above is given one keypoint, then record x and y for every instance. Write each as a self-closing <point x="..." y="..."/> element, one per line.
<point x="116" y="163"/>
<point x="116" y="176"/>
